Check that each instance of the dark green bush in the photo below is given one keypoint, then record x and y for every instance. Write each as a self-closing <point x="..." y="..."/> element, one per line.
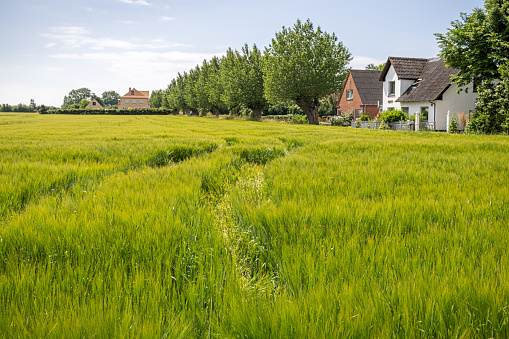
<point x="393" y="116"/>
<point x="364" y="117"/>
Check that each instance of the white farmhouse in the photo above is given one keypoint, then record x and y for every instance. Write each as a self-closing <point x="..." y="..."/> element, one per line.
<point x="417" y="85"/>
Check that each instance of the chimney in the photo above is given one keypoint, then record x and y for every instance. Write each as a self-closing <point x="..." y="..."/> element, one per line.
<point x="129" y="89"/>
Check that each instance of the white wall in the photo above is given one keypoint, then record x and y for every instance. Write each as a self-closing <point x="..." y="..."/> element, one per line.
<point x="462" y="102"/>
<point x="401" y="87"/>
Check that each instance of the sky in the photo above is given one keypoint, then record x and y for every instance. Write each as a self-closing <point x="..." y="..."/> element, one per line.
<point x="50" y="47"/>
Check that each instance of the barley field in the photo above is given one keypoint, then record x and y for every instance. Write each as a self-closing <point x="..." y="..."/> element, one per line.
<point x="179" y="227"/>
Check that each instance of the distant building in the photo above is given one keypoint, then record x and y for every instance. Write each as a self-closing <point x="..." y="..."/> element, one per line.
<point x="134" y="99"/>
<point x="94" y="104"/>
<point x="361" y="94"/>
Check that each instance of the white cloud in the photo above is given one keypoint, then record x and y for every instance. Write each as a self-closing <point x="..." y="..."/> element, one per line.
<point x="360" y="62"/>
<point x="70" y="30"/>
<point x="167" y="18"/>
<point x="136" y="2"/>
<point x="76" y="37"/>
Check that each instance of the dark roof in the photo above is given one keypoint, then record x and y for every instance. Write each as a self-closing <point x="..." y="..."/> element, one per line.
<point x="406" y="68"/>
<point x="368" y="86"/>
<point x="434" y="80"/>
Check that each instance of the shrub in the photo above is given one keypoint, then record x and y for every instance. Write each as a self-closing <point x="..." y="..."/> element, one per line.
<point x="453" y="125"/>
<point x="393" y="116"/>
<point x="364" y="117"/>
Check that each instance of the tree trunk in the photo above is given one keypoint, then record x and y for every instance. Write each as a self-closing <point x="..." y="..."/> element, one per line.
<point x="258" y="113"/>
<point x="217" y="112"/>
<point x="234" y="112"/>
<point x="311" y="110"/>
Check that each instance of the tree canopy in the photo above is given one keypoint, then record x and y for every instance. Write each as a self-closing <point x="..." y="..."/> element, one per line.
<point x="75" y="96"/>
<point x="242" y="79"/>
<point x="478" y="43"/>
<point x="373" y="67"/>
<point x="110" y="98"/>
<point x="304" y="65"/>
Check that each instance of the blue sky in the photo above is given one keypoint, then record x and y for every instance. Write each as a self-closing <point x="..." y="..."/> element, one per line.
<point x="49" y="47"/>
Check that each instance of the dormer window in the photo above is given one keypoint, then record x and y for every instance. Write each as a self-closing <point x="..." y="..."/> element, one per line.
<point x="132" y="92"/>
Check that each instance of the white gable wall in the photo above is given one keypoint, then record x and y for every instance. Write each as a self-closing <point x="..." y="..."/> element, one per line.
<point x="390" y="101"/>
<point x="400" y="87"/>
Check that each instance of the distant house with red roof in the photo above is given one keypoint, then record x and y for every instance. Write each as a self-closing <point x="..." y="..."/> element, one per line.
<point x="134" y="99"/>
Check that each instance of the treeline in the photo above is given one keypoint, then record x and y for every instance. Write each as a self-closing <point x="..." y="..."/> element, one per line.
<point x="21" y="108"/>
<point x="300" y="72"/>
<point x="80" y="98"/>
<point x="139" y="111"/>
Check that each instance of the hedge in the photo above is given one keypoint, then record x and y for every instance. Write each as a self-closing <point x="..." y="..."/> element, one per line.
<point x="138" y="111"/>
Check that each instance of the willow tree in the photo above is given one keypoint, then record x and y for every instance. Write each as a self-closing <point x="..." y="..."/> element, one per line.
<point x="304" y="65"/>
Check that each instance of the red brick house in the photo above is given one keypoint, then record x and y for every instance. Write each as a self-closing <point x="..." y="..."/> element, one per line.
<point x="134" y="99"/>
<point x="362" y="93"/>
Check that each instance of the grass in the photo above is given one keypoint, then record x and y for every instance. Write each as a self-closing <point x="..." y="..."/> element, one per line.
<point x="164" y="226"/>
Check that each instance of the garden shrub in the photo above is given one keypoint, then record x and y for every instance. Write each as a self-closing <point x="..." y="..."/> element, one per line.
<point x="393" y="116"/>
<point x="364" y="117"/>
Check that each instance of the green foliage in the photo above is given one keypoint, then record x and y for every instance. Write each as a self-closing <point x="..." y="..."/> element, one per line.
<point x="110" y="98"/>
<point x="345" y="120"/>
<point x="83" y="103"/>
<point x="304" y="65"/>
<point x="76" y="96"/>
<point x="393" y="116"/>
<point x="477" y="44"/>
<point x="364" y="117"/>
<point x="373" y="67"/>
<point x="242" y="81"/>
<point x="492" y="111"/>
<point x="20" y="108"/>
<point x="453" y="125"/>
<point x="328" y="106"/>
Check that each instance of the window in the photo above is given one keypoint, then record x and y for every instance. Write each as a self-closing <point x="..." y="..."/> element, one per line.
<point x="134" y="101"/>
<point x="477" y="82"/>
<point x="349" y="94"/>
<point x="132" y="92"/>
<point x="390" y="109"/>
<point x="405" y="109"/>
<point x="141" y="101"/>
<point x="127" y="101"/>
<point x="93" y="103"/>
<point x="392" y="87"/>
<point x="358" y="113"/>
